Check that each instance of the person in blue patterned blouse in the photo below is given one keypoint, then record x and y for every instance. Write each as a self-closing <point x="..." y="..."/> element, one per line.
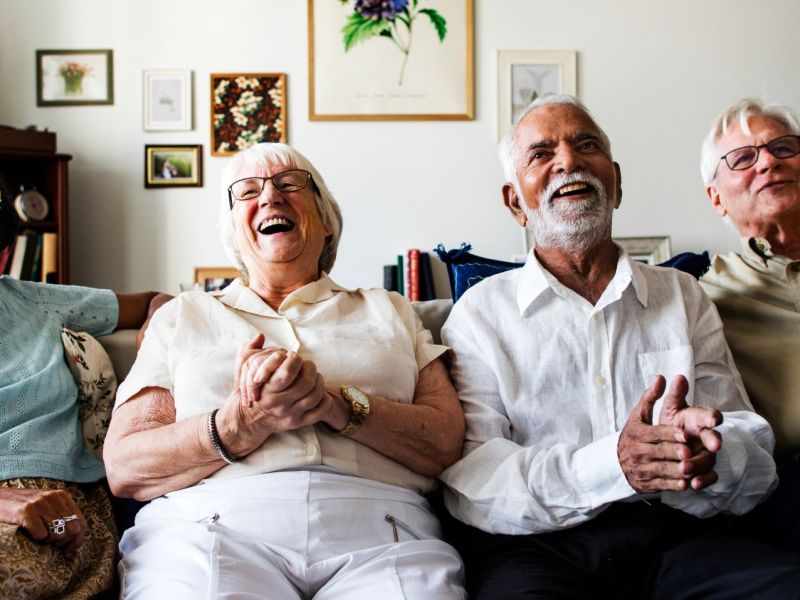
<point x="57" y="536"/>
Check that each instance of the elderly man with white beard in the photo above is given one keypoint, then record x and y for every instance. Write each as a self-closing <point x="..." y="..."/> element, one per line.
<point x="607" y="426"/>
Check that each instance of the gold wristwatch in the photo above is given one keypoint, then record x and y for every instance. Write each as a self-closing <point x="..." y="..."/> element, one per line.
<point x="359" y="403"/>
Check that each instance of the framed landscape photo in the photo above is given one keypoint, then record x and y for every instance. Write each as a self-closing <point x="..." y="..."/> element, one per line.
<point x="649" y="250"/>
<point x="399" y="60"/>
<point x="167" y="103"/>
<point x="179" y="165"/>
<point x="246" y="109"/>
<point x="524" y="75"/>
<point x="74" y="77"/>
<point x="214" y="278"/>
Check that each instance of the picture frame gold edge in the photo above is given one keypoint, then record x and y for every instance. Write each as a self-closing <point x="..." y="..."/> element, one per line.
<point x="150" y="181"/>
<point x="468" y="115"/>
<point x="285" y="133"/>
<point x="214" y="273"/>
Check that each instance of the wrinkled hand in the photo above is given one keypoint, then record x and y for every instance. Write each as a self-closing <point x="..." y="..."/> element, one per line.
<point x="275" y="390"/>
<point x="654" y="458"/>
<point x="698" y="426"/>
<point x="34" y="509"/>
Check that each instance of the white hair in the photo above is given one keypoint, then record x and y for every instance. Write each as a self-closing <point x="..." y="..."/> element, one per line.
<point x="740" y="114"/>
<point x="507" y="148"/>
<point x="255" y="158"/>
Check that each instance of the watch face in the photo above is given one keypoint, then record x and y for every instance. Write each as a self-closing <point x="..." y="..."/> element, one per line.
<point x="357" y="395"/>
<point x="31" y="206"/>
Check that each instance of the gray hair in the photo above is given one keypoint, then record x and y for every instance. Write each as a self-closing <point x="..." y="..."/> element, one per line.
<point x="507" y="148"/>
<point x="260" y="156"/>
<point x="740" y="114"/>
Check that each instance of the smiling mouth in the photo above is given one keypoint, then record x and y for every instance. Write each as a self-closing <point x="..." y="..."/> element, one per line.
<point x="275" y="225"/>
<point x="573" y="189"/>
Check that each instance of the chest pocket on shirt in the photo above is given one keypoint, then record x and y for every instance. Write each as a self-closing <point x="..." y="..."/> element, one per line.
<point x="669" y="363"/>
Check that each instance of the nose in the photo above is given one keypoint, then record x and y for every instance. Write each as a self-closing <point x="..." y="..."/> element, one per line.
<point x="766" y="161"/>
<point x="567" y="159"/>
<point x="269" y="195"/>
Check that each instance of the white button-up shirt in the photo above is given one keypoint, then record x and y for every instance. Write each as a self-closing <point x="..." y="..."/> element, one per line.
<point x="548" y="381"/>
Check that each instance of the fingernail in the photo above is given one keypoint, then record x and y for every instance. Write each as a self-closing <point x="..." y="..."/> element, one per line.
<point x="680" y="437"/>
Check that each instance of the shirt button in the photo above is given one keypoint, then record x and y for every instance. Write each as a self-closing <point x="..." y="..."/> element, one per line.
<point x="310" y="450"/>
<point x="600" y="380"/>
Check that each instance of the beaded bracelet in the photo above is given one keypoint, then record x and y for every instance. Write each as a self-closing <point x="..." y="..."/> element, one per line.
<point x="215" y="441"/>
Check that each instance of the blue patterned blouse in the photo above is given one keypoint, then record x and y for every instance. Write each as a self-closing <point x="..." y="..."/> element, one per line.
<point x="40" y="434"/>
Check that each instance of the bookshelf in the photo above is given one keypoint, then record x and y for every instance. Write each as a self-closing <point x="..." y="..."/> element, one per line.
<point x="28" y="158"/>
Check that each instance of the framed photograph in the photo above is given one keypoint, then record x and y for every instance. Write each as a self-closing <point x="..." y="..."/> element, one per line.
<point x="524" y="75"/>
<point x="179" y="165"/>
<point x="246" y="109"/>
<point x="167" y="100"/>
<point x="214" y="278"/>
<point x="74" y="77"/>
<point x="649" y="250"/>
<point x="380" y="61"/>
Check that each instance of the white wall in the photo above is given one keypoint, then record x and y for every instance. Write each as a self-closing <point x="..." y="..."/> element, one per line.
<point x="654" y="74"/>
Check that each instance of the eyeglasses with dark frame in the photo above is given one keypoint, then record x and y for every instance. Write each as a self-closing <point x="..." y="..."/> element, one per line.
<point x="250" y="188"/>
<point x="745" y="157"/>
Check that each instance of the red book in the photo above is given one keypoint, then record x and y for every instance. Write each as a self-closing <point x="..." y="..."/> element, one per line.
<point x="5" y="259"/>
<point x="412" y="288"/>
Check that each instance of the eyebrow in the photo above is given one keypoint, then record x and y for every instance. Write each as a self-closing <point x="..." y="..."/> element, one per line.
<point x="578" y="137"/>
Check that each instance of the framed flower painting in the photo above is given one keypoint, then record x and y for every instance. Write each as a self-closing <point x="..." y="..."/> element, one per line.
<point x="384" y="60"/>
<point x="74" y="77"/>
<point x="246" y="109"/>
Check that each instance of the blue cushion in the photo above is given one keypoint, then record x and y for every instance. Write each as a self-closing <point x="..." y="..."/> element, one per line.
<point x="465" y="269"/>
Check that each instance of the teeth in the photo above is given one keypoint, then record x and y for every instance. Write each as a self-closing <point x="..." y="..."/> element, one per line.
<point x="572" y="187"/>
<point x="274" y="221"/>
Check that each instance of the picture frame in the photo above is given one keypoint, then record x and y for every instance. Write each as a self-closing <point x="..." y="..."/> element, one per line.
<point x="210" y="279"/>
<point x="74" y="77"/>
<point x="523" y="75"/>
<point x="167" y="99"/>
<point x="650" y="250"/>
<point x="365" y="69"/>
<point x="175" y="165"/>
<point x="246" y="109"/>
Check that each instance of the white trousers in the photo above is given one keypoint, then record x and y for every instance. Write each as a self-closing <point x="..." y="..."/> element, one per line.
<point x="286" y="536"/>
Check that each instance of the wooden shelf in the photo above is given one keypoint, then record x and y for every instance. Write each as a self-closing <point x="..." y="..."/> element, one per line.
<point x="49" y="172"/>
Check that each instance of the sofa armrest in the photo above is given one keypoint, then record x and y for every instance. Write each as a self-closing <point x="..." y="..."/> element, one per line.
<point x="121" y="349"/>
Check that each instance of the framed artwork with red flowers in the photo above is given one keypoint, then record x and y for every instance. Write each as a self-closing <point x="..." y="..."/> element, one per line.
<point x="246" y="109"/>
<point x="385" y="60"/>
<point x="74" y="77"/>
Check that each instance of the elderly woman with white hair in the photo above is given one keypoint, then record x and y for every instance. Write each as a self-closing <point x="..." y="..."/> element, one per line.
<point x="287" y="427"/>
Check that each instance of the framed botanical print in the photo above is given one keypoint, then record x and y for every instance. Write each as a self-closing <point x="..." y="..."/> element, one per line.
<point x="74" y="77"/>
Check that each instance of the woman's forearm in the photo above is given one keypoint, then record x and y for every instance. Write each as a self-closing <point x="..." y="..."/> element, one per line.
<point x="148" y="454"/>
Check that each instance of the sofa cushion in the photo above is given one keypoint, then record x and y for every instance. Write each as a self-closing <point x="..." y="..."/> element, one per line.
<point x="97" y="386"/>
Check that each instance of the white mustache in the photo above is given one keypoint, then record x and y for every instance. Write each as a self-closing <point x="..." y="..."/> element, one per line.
<point x="562" y="179"/>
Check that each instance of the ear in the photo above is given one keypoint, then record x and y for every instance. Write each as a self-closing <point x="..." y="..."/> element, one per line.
<point x="618" y="171"/>
<point x="511" y="200"/>
<point x="716" y="200"/>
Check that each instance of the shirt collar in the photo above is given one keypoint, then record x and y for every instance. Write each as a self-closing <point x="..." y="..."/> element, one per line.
<point x="759" y="250"/>
<point x="239" y="296"/>
<point x="535" y="279"/>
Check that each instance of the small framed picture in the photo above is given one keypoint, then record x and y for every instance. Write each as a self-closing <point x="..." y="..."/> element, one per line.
<point x="179" y="165"/>
<point x="246" y="109"/>
<point x="649" y="250"/>
<point x="74" y="77"/>
<point x="167" y="100"/>
<point x="524" y="75"/>
<point x="211" y="279"/>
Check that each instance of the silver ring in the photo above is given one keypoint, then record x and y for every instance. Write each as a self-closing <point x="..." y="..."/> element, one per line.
<point x="59" y="526"/>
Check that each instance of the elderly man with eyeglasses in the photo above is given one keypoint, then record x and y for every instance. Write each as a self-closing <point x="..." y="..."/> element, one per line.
<point x="750" y="162"/>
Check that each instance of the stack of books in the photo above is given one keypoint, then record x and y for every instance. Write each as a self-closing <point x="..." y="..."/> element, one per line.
<point x="411" y="276"/>
<point x="32" y="258"/>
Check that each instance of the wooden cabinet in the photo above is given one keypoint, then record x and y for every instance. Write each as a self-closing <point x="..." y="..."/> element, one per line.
<point x="26" y="160"/>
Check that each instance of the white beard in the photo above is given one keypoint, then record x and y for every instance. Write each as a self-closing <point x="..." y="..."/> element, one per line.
<point x="576" y="225"/>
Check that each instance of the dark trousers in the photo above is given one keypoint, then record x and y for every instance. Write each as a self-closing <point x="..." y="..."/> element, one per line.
<point x="634" y="551"/>
<point x="776" y="521"/>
